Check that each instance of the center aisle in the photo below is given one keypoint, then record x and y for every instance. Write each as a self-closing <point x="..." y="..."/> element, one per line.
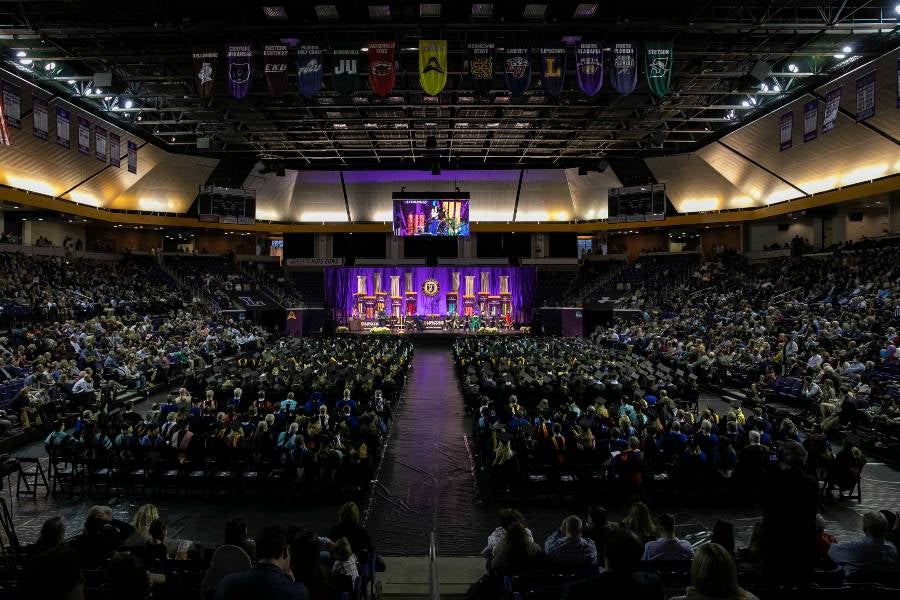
<point x="426" y="482"/>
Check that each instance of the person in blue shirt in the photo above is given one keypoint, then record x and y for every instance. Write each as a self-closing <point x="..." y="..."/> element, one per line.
<point x="312" y="405"/>
<point x="345" y="401"/>
<point x="168" y="406"/>
<point x="271" y="578"/>
<point x="870" y="553"/>
<point x="288" y="405"/>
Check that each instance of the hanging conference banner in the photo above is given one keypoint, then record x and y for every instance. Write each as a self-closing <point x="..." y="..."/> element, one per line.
<point x="115" y="150"/>
<point x="84" y="136"/>
<point x="865" y="96"/>
<point x="553" y="69"/>
<point x="275" y="61"/>
<point x="898" y="83"/>
<point x="589" y="67"/>
<point x="786" y="127"/>
<point x="39" y="119"/>
<point x="518" y="70"/>
<point x="5" y="140"/>
<point x="239" y="62"/>
<point x="810" y="120"/>
<point x="658" y="66"/>
<point x="62" y="127"/>
<point x="433" y="66"/>
<point x="132" y="157"/>
<point x="204" y="72"/>
<point x="481" y="66"/>
<point x="382" y="73"/>
<point x="345" y="70"/>
<point x="624" y="74"/>
<point x="309" y="70"/>
<point x="100" y="141"/>
<point x="12" y="105"/>
<point x="832" y="103"/>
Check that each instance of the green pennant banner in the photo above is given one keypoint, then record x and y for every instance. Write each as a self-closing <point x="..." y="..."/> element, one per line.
<point x="658" y="66"/>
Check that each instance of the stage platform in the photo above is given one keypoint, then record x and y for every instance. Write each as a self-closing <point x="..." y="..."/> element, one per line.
<point x="437" y="333"/>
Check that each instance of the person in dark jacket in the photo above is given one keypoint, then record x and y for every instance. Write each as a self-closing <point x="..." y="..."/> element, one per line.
<point x="271" y="579"/>
<point x="621" y="579"/>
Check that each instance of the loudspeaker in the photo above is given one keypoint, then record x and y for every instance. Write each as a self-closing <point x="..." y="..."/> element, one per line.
<point x="102" y="79"/>
<point x="203" y="143"/>
<point x="783" y="226"/>
<point x="760" y="70"/>
<point x="855" y="216"/>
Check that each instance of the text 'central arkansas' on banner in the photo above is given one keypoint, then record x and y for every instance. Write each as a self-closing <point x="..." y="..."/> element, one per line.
<point x="240" y="69"/>
<point x="433" y="66"/>
<point x="382" y="73"/>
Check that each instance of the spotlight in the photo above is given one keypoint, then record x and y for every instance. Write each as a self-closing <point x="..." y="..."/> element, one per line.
<point x="745" y="104"/>
<point x="846" y="49"/>
<point x="897" y="9"/>
<point x="840" y="56"/>
<point x="777" y="88"/>
<point x="793" y="68"/>
<point x="71" y="82"/>
<point x="129" y="104"/>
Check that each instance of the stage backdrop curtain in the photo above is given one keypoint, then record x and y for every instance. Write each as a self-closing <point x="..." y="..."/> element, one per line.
<point x="340" y="285"/>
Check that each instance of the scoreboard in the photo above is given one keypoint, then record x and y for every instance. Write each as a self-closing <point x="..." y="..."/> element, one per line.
<point x="217" y="204"/>
<point x="637" y="203"/>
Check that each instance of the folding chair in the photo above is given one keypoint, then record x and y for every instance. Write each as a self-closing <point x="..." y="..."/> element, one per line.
<point x="31" y="473"/>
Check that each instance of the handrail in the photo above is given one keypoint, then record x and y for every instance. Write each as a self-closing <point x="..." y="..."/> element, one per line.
<point x="434" y="592"/>
<point x="773" y="300"/>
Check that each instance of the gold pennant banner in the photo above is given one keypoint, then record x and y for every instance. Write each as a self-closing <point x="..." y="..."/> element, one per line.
<point x="433" y="65"/>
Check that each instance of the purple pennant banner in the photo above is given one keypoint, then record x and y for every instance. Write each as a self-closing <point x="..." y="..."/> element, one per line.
<point x="63" y="131"/>
<point x="132" y="157"/>
<point x="39" y="119"/>
<point x="810" y="120"/>
<point x="115" y="150"/>
<point x="786" y="129"/>
<point x="341" y="284"/>
<point x="624" y="73"/>
<point x="589" y="67"/>
<point x="832" y="103"/>
<point x="898" y="83"/>
<point x="309" y="70"/>
<point x="239" y="62"/>
<point x="101" y="141"/>
<point x="12" y="105"/>
<point x="84" y="136"/>
<point x="865" y="96"/>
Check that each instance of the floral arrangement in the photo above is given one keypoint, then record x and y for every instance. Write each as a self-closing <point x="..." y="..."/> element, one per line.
<point x="525" y="328"/>
<point x="488" y="330"/>
<point x="341" y="329"/>
<point x="380" y="330"/>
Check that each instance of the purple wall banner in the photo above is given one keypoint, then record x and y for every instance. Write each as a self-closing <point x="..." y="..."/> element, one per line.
<point x="810" y="120"/>
<point x="239" y="61"/>
<point x="517" y="65"/>
<point x="309" y="70"/>
<point x="100" y="143"/>
<point x="589" y="67"/>
<point x="132" y="157"/>
<point x="865" y="96"/>
<point x="786" y="131"/>
<point x="84" y="136"/>
<point x="832" y="103"/>
<point x="898" y="83"/>
<point x="62" y="127"/>
<point x="12" y="105"/>
<point x="39" y="119"/>
<point x="624" y="74"/>
<point x="115" y="150"/>
<point x="341" y="285"/>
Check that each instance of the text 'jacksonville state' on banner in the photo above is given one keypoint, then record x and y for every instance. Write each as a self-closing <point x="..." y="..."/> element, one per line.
<point x="115" y="150"/>
<point x="204" y="72"/>
<point x="810" y="120"/>
<point x="481" y="66"/>
<point x="12" y="105"/>
<point x="63" y="131"/>
<point x="786" y="131"/>
<point x="553" y="68"/>
<point x="100" y="143"/>
<point x="518" y="70"/>
<point x="275" y="61"/>
<point x="865" y="96"/>
<point x="433" y="66"/>
<point x="624" y="74"/>
<point x="40" y="122"/>
<point x="345" y="70"/>
<point x="309" y="70"/>
<point x="589" y="67"/>
<point x="84" y="136"/>
<point x="832" y="104"/>
<point x="239" y="62"/>
<point x="658" y="66"/>
<point x="382" y="73"/>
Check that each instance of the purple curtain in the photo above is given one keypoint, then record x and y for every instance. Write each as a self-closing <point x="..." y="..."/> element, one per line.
<point x="340" y="285"/>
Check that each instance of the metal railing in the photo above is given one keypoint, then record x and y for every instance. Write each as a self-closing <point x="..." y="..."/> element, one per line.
<point x="434" y="591"/>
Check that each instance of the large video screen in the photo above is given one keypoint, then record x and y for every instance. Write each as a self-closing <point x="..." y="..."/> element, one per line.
<point x="638" y="203"/>
<point x="434" y="216"/>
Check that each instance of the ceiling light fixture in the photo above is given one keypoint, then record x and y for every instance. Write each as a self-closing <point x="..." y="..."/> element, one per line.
<point x="846" y="49"/>
<point x="585" y="11"/>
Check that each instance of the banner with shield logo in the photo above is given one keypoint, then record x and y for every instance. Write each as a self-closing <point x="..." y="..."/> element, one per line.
<point x="239" y="60"/>
<point x="204" y="72"/>
<point x="382" y="74"/>
<point x="518" y="70"/>
<point x="624" y="73"/>
<point x="433" y="66"/>
<point x="481" y="66"/>
<point x="589" y="67"/>
<point x="658" y="66"/>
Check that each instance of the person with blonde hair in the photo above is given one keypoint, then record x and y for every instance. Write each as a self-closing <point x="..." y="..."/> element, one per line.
<point x="714" y="576"/>
<point x="640" y="521"/>
<point x="143" y="517"/>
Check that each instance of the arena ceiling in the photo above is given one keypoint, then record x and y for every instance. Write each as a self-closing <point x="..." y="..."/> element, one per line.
<point x="147" y="47"/>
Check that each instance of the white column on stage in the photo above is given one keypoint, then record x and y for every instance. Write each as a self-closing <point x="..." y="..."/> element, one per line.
<point x="486" y="282"/>
<point x="504" y="284"/>
<point x="470" y="285"/>
<point x="454" y="278"/>
<point x="395" y="286"/>
<point x="361" y="284"/>
<point x="377" y="276"/>
<point x="409" y="283"/>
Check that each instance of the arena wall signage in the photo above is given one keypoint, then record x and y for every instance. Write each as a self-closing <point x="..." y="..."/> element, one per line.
<point x="433" y="66"/>
<point x="658" y="66"/>
<point x="39" y="119"/>
<point x="62" y="127"/>
<point x="12" y="105"/>
<point x="865" y="96"/>
<point x="84" y="136"/>
<point x="832" y="103"/>
<point x="115" y="150"/>
<point x="345" y="70"/>
<point x="382" y="72"/>
<point x="518" y="70"/>
<point x="239" y="59"/>
<point x="275" y="58"/>
<point x="101" y="141"/>
<point x="624" y="67"/>
<point x="205" y="72"/>
<point x="786" y="131"/>
<point x="810" y="120"/>
<point x="132" y="157"/>
<point x="309" y="70"/>
<point x="589" y="67"/>
<point x="5" y="139"/>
